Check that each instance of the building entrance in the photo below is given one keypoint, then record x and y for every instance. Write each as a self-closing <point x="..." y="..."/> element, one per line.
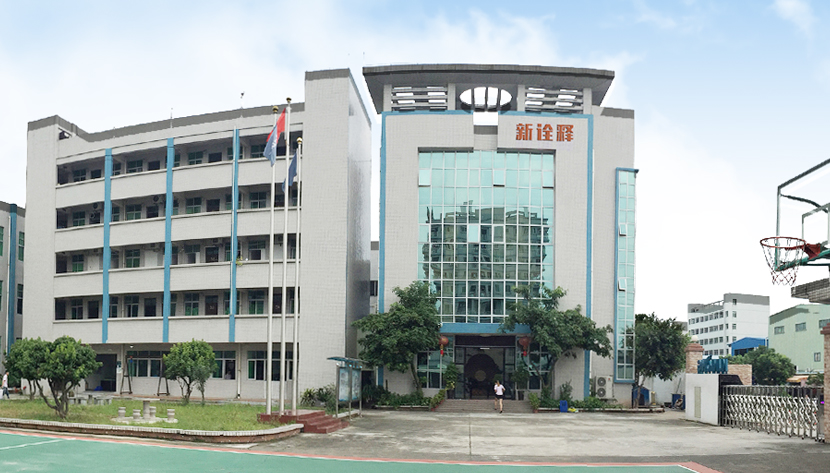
<point x="484" y="359"/>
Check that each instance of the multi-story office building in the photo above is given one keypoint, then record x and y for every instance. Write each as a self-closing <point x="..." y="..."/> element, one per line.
<point x="12" y="245"/>
<point x="135" y="232"/>
<point x="796" y="333"/>
<point x="498" y="176"/>
<point x="718" y="324"/>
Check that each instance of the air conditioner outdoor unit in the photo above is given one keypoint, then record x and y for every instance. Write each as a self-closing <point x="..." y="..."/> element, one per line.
<point x="605" y="387"/>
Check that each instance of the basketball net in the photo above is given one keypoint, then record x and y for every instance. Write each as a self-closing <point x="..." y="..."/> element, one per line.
<point x="784" y="256"/>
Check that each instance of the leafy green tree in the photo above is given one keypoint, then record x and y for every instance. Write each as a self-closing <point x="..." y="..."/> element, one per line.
<point x="25" y="360"/>
<point x="393" y="339"/>
<point x="816" y="379"/>
<point x="659" y="348"/>
<point x="68" y="362"/>
<point x="556" y="331"/>
<point x="191" y="364"/>
<point x="768" y="367"/>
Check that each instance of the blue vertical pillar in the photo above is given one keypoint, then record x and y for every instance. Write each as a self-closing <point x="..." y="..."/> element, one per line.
<point x="107" y="253"/>
<point x="12" y="275"/>
<point x="234" y="243"/>
<point x="168" y="242"/>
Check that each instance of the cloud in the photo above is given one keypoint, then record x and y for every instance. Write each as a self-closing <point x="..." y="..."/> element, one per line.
<point x="649" y="15"/>
<point x="798" y="12"/>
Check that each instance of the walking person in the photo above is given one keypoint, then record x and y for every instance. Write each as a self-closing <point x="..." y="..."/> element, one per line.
<point x="5" y="385"/>
<point x="499" y="401"/>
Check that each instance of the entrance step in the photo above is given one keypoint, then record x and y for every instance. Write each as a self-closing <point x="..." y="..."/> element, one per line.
<point x="482" y="406"/>
<point x="314" y="421"/>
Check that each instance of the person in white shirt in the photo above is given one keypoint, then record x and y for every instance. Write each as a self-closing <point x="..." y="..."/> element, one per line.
<point x="499" y="401"/>
<point x="5" y="385"/>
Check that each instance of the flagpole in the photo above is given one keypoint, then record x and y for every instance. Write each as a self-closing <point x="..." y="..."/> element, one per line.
<point x="270" y="325"/>
<point x="296" y="387"/>
<point x="287" y="192"/>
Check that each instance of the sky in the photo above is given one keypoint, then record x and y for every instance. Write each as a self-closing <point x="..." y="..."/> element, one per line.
<point x="731" y="98"/>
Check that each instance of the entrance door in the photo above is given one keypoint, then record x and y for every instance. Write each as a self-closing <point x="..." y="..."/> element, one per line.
<point x="480" y="370"/>
<point x="104" y="378"/>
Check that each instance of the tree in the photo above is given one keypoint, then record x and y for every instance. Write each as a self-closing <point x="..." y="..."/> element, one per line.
<point x="190" y="363"/>
<point x="768" y="367"/>
<point x="67" y="363"/>
<point x="393" y="339"/>
<point x="24" y="361"/>
<point x="660" y="348"/>
<point x="556" y="331"/>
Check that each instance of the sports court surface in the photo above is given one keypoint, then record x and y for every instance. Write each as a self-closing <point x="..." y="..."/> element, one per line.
<point x="54" y="453"/>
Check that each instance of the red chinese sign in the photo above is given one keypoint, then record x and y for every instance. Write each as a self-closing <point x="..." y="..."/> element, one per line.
<point x="544" y="132"/>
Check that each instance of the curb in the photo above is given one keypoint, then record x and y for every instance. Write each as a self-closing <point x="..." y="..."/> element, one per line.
<point x="622" y="411"/>
<point x="211" y="436"/>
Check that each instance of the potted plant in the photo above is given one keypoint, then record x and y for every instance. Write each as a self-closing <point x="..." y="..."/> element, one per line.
<point x="519" y="379"/>
<point x="451" y="378"/>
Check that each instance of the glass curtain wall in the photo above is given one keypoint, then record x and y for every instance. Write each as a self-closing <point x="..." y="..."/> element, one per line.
<point x="486" y="225"/>
<point x="625" y="275"/>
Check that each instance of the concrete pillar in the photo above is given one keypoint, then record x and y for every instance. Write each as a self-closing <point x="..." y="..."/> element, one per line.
<point x="826" y="332"/>
<point x="694" y="353"/>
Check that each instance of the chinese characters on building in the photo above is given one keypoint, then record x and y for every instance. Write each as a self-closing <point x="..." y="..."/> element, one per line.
<point x="544" y="132"/>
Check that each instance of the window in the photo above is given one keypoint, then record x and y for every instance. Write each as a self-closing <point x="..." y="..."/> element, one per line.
<point x="213" y="205"/>
<point x="373" y="288"/>
<point x="113" y="307"/>
<point x="60" y="310"/>
<point x="212" y="254"/>
<point x="150" y="307"/>
<point x="817" y="356"/>
<point x="257" y="200"/>
<point x="152" y="211"/>
<point x="255" y="248"/>
<point x="821" y="323"/>
<point x="154" y="165"/>
<point x="20" y="299"/>
<point x="77" y="263"/>
<point x="94" y="217"/>
<point x="191" y="253"/>
<point x="76" y="309"/>
<point x="133" y="212"/>
<point x="1" y="241"/>
<point x="177" y="160"/>
<point x="227" y="302"/>
<point x="132" y="258"/>
<point x="229" y="201"/>
<point x="144" y="364"/>
<point x="193" y="205"/>
<point x="258" y="151"/>
<point x="214" y="157"/>
<point x="256" y="365"/>
<point x="130" y="306"/>
<point x="175" y="207"/>
<point x="194" y="158"/>
<point x="116" y="214"/>
<point x="79" y="175"/>
<point x="78" y="219"/>
<point x="734" y="326"/>
<point x="778" y="330"/>
<point x="174" y="298"/>
<point x="211" y="305"/>
<point x="802" y="327"/>
<point x="95" y="174"/>
<point x="114" y="260"/>
<point x="734" y="314"/>
<point x="116" y="169"/>
<point x="256" y="302"/>
<point x="135" y="166"/>
<point x="225" y="364"/>
<point x="230" y="152"/>
<point x="191" y="303"/>
<point x="92" y="309"/>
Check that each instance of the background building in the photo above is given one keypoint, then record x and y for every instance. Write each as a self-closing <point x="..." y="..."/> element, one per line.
<point x="12" y="245"/>
<point x="497" y="176"/>
<point x="747" y="344"/>
<point x="795" y="332"/>
<point x="718" y="324"/>
<point x="134" y="228"/>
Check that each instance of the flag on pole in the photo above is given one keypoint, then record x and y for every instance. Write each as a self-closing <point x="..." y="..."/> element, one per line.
<point x="292" y="173"/>
<point x="273" y="137"/>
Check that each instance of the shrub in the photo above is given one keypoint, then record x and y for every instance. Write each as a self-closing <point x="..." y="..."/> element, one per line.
<point x="534" y="400"/>
<point x="397" y="400"/>
<point x="565" y="392"/>
<point x="372" y="393"/>
<point x="436" y="400"/>
<point x="308" y="397"/>
<point x="590" y="403"/>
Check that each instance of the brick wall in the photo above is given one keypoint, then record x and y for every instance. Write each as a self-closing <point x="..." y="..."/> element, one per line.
<point x="694" y="353"/>
<point x="743" y="371"/>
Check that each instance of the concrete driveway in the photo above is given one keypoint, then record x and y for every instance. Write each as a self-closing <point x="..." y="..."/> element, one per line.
<point x="555" y="437"/>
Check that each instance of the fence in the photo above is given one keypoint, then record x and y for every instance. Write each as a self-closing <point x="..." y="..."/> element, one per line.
<point x="782" y="410"/>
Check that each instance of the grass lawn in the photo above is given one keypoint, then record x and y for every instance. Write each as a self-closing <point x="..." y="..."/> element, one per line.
<point x="191" y="417"/>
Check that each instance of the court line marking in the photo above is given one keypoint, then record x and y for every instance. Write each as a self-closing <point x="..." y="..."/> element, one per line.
<point x="692" y="466"/>
<point x="30" y="444"/>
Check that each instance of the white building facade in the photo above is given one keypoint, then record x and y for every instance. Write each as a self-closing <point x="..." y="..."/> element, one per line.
<point x="143" y="243"/>
<point x="718" y="324"/>
<point x="12" y="246"/>
<point x="499" y="176"/>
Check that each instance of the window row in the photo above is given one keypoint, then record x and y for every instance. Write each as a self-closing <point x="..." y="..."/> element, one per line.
<point x="485" y="253"/>
<point x="150" y="364"/>
<point x="468" y="213"/>
<point x="712" y="341"/>
<point x="484" y="160"/>
<point x="197" y="252"/>
<point x="713" y="328"/>
<point x="472" y="179"/>
<point x="248" y="302"/>
<point x="155" y="160"/>
<point x="715" y="315"/>
<point x="459" y="272"/>
<point x="21" y="243"/>
<point x="715" y="352"/>
<point x="478" y="233"/>
<point x="154" y="207"/>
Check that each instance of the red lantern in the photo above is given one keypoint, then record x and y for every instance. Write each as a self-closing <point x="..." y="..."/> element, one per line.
<point x="524" y="342"/>
<point x="443" y="341"/>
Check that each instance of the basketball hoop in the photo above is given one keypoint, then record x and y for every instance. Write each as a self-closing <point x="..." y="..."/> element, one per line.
<point x="784" y="255"/>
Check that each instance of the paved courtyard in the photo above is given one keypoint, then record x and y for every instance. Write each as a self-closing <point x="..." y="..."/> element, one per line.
<point x="568" y="438"/>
